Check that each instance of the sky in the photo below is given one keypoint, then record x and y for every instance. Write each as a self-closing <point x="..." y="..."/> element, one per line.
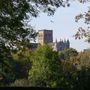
<point x="63" y="24"/>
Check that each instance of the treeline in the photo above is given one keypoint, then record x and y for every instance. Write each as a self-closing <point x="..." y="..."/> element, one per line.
<point x="45" y="68"/>
<point x="42" y="67"/>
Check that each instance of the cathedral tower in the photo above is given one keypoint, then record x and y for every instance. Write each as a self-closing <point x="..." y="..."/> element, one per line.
<point x="45" y="36"/>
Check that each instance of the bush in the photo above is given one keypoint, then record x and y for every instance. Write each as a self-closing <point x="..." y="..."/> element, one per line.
<point x="21" y="83"/>
<point x="45" y="71"/>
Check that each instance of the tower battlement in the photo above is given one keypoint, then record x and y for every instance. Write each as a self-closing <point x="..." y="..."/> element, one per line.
<point x="45" y="36"/>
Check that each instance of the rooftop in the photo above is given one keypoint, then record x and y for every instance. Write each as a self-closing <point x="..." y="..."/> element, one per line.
<point x="45" y="30"/>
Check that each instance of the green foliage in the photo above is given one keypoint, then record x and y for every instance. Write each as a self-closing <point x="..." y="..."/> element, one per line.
<point x="13" y="66"/>
<point x="22" y="58"/>
<point x="67" y="54"/>
<point x="45" y="67"/>
<point x="82" y="31"/>
<point x="6" y="66"/>
<point x="14" y="28"/>
<point x="21" y="83"/>
<point x="76" y="72"/>
<point x="85" y="58"/>
<point x="14" y="15"/>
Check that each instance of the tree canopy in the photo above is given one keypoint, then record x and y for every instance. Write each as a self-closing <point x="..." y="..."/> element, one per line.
<point x="14" y="15"/>
<point x="45" y="70"/>
<point x="67" y="53"/>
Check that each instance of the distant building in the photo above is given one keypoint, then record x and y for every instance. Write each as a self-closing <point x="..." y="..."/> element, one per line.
<point x="46" y="37"/>
<point x="61" y="45"/>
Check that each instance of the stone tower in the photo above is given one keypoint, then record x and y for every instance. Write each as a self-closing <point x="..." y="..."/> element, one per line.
<point x="45" y="36"/>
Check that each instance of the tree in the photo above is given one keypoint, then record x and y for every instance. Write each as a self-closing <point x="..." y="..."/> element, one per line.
<point x="7" y="64"/>
<point x="21" y="83"/>
<point x="14" y="15"/>
<point x="76" y="72"/>
<point x="67" y="54"/>
<point x="23" y="59"/>
<point x="14" y="28"/>
<point x="82" y="32"/>
<point x="45" y="71"/>
<point x="85" y="58"/>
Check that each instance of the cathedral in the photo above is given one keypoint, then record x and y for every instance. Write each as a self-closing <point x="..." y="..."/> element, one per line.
<point x="61" y="45"/>
<point x="46" y="37"/>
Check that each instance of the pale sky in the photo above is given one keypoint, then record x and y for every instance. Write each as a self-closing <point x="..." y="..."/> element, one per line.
<point x="63" y="25"/>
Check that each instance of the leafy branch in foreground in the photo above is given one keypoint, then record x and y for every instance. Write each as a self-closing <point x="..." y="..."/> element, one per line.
<point x="15" y="15"/>
<point x="81" y="33"/>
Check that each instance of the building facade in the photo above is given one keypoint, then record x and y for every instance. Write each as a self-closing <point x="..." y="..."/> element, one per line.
<point x="61" y="45"/>
<point x="46" y="37"/>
